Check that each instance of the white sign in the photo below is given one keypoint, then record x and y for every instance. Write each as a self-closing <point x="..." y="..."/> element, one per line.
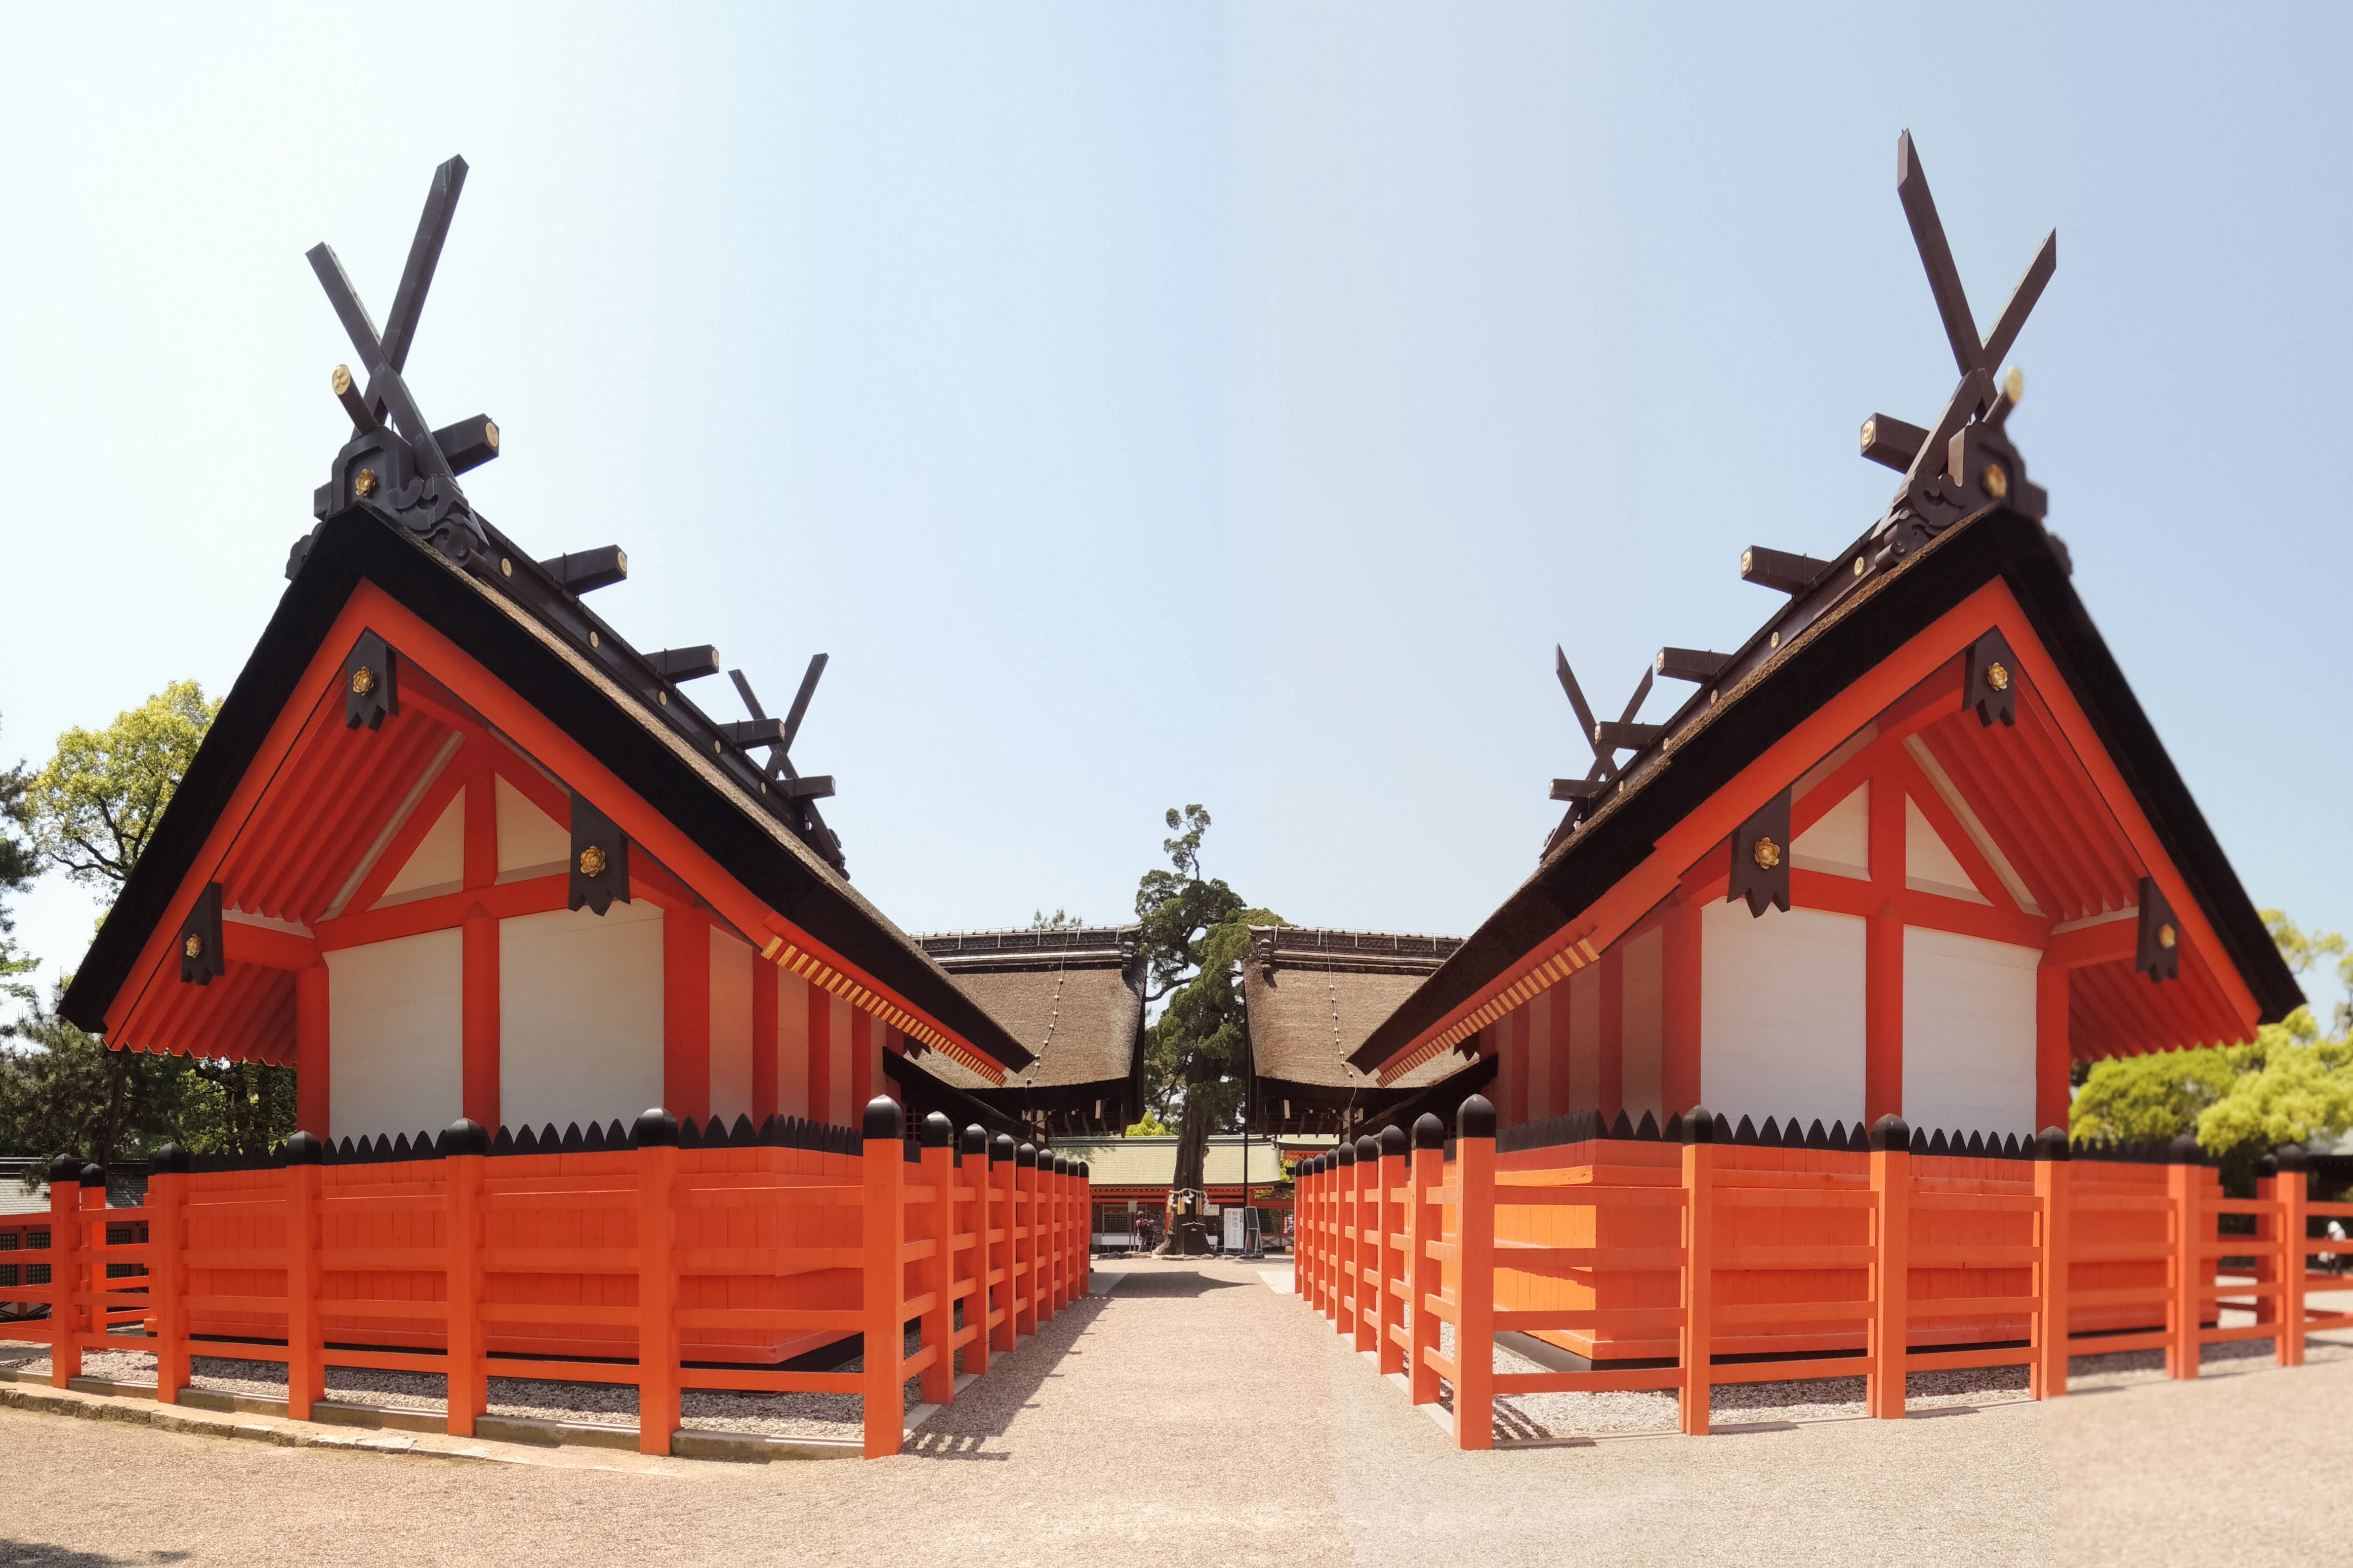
<point x="1234" y="1239"/>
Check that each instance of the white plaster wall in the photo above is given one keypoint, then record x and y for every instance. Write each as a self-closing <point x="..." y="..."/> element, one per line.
<point x="396" y="1036"/>
<point x="1969" y="1033"/>
<point x="1840" y="840"/>
<point x="1781" y="1014"/>
<point x="731" y="1027"/>
<point x="1642" y="1020"/>
<point x="792" y="1045"/>
<point x="1584" y="1039"/>
<point x="580" y="1016"/>
<point x="1929" y="862"/>
<point x="437" y="864"/>
<point x="531" y="842"/>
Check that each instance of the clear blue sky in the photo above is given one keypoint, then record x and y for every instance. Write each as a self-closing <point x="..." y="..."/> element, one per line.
<point x="1147" y="405"/>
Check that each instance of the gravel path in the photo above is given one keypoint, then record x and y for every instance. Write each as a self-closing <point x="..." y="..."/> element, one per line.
<point x="1195" y="1417"/>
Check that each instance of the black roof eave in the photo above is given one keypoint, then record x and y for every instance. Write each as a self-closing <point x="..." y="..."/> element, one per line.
<point x="358" y="545"/>
<point x="1998" y="543"/>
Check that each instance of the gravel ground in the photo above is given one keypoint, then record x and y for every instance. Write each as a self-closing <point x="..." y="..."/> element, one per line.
<point x="616" y="1405"/>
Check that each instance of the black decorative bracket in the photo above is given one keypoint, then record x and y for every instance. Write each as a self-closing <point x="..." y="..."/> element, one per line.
<point x="2157" y="955"/>
<point x="201" y="960"/>
<point x="800" y="793"/>
<point x="1760" y="858"/>
<point x="600" y="871"/>
<point x="1990" y="677"/>
<point x="371" y="683"/>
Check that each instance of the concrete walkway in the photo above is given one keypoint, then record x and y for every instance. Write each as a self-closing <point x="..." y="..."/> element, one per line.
<point x="1189" y="1413"/>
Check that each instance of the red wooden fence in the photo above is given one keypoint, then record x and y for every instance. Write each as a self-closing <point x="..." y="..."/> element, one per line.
<point x="645" y="1258"/>
<point x="1676" y="1267"/>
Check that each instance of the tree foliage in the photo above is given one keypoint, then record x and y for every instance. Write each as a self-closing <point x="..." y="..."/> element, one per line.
<point x="95" y="806"/>
<point x="18" y="864"/>
<point x="1196" y="1053"/>
<point x="2292" y="1084"/>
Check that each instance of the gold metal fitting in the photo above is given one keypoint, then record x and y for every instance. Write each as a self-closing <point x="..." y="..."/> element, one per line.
<point x="592" y="639"/>
<point x="342" y="380"/>
<point x="1774" y="641"/>
<point x="592" y="861"/>
<point x="193" y="947"/>
<point x="1858" y="565"/>
<point x="2014" y="384"/>
<point x="1870" y="433"/>
<point x="1767" y="855"/>
<point x="1997" y="677"/>
<point x="491" y="434"/>
<point x="506" y="567"/>
<point x="1747" y="559"/>
<point x="718" y="748"/>
<point x="362" y="681"/>
<point x="1996" y="483"/>
<point x="365" y="483"/>
<point x="662" y="698"/>
<point x="2166" y="937"/>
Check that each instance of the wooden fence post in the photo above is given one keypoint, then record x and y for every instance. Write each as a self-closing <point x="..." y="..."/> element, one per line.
<point x="1425" y="1275"/>
<point x="1082" y="1197"/>
<point x="2295" y="1191"/>
<point x="1891" y="1267"/>
<point x="1474" y="1339"/>
<point x="1060" y="1188"/>
<point x="1365" y="1282"/>
<point x="1390" y="1354"/>
<point x="656" y="1138"/>
<point x="2190" y="1224"/>
<point x="1050" y="1234"/>
<point x="883" y="1162"/>
<point x="1001" y="1245"/>
<point x="1305" y="1246"/>
<point x="2053" y="1179"/>
<point x="976" y="1172"/>
<point x="1697" y="1346"/>
<point x="464" y="1147"/>
<point x="1340" y="1299"/>
<point x="65" y="1269"/>
<point x="167" y="1197"/>
<point x="306" y="1371"/>
<point x="937" y="1273"/>
<point x="1026" y="1235"/>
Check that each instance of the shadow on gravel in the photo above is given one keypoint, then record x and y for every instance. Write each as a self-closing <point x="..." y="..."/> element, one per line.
<point x="1177" y="1282"/>
<point x="987" y="1408"/>
<point x="36" y="1554"/>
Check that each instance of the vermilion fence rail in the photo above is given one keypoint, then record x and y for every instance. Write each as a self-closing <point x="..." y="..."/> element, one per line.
<point x="1677" y="1263"/>
<point x="640" y="1263"/>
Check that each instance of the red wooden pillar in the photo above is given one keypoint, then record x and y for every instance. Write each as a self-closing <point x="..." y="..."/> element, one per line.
<point x="2192" y="1228"/>
<point x="467" y="1378"/>
<point x="978" y="1195"/>
<point x="66" y="1286"/>
<point x="312" y="1098"/>
<point x="1003" y="1277"/>
<point x="1027" y="1233"/>
<point x="1425" y="1275"/>
<point x="1365" y="1283"/>
<point x="1883" y="985"/>
<point x="2054" y="1060"/>
<point x="938" y="1273"/>
<point x="820" y="1053"/>
<point x="167" y="1200"/>
<point x="1612" y="1053"/>
<point x="2054" y="1179"/>
<point x="1394" y="1246"/>
<point x="480" y="1072"/>
<point x="1337" y="1296"/>
<point x="764" y="1042"/>
<point x="1475" y="1337"/>
<point x="1891" y="1265"/>
<point x="2293" y="1187"/>
<point x="306" y="1372"/>
<point x="1679" y="1067"/>
<point x="658" y="1388"/>
<point x="1697" y="1340"/>
<point x="686" y="1013"/>
<point x="882" y="1166"/>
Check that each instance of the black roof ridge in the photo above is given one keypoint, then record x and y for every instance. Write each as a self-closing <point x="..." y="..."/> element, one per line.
<point x="1887" y="607"/>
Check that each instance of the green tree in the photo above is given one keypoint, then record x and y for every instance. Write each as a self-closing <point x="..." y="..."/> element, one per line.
<point x="19" y="862"/>
<point x="91" y="812"/>
<point x="1196" y="1053"/>
<point x="2291" y="1084"/>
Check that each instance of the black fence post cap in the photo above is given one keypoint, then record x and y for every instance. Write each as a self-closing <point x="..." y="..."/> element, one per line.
<point x="1345" y="1154"/>
<point x="937" y="1132"/>
<point x="92" y="1176"/>
<point x="1428" y="1131"/>
<point x="976" y="1139"/>
<point x="1393" y="1141"/>
<point x="303" y="1149"/>
<point x="1699" y="1125"/>
<point x="171" y="1160"/>
<point x="654" y="1129"/>
<point x="2051" y="1143"/>
<point x="1001" y="1149"/>
<point x="2184" y="1151"/>
<point x="1476" y="1118"/>
<point x="1368" y="1149"/>
<point x="465" y="1136"/>
<point x="2292" y="1157"/>
<point x="1891" y="1134"/>
<point x="883" y="1118"/>
<point x="65" y="1170"/>
<point x="1026" y="1157"/>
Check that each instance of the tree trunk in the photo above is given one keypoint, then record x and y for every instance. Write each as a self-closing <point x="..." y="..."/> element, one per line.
<point x="1189" y="1237"/>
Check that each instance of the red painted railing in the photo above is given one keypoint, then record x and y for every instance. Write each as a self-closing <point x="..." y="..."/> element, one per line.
<point x="1737" y="1262"/>
<point x="526" y="1265"/>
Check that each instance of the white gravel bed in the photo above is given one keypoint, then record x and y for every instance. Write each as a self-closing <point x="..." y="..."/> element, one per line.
<point x="614" y="1405"/>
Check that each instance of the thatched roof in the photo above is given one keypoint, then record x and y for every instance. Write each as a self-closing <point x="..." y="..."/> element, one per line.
<point x="1314" y="995"/>
<point x="1073" y="995"/>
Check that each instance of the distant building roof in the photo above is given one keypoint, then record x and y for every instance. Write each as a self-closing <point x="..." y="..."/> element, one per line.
<point x="1152" y="1161"/>
<point x="1314" y="995"/>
